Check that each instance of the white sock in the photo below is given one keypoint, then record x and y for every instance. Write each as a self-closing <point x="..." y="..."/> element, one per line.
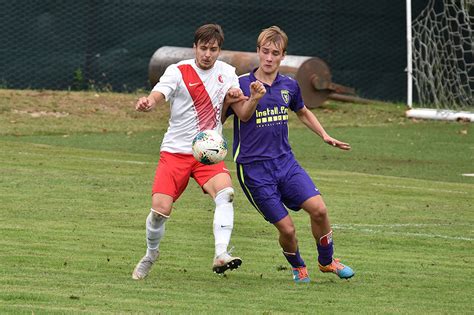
<point x="155" y="229"/>
<point x="223" y="219"/>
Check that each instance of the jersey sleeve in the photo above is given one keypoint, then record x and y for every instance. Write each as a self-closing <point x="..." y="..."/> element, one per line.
<point x="168" y="81"/>
<point x="243" y="84"/>
<point x="235" y="83"/>
<point x="230" y="75"/>
<point x="235" y="80"/>
<point x="296" y="99"/>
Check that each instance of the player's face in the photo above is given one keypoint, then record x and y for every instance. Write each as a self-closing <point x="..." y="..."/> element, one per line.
<point x="270" y="57"/>
<point x="206" y="54"/>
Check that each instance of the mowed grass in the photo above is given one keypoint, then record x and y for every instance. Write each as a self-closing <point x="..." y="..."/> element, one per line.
<point x="75" y="180"/>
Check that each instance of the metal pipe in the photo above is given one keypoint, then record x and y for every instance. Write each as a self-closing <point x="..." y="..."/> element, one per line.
<point x="312" y="73"/>
<point x="351" y="99"/>
<point x="243" y="62"/>
<point x="409" y="56"/>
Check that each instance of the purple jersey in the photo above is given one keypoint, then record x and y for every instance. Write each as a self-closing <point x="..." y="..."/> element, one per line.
<point x="265" y="135"/>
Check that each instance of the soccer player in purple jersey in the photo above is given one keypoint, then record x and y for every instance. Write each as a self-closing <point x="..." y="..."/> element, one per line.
<point x="267" y="170"/>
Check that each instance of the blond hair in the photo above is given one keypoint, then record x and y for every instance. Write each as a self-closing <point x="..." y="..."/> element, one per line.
<point x="275" y="35"/>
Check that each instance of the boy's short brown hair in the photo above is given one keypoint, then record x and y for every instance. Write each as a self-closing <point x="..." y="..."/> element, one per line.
<point x="209" y="33"/>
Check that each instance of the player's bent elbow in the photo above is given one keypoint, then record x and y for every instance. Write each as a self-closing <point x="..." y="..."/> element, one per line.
<point x="245" y="118"/>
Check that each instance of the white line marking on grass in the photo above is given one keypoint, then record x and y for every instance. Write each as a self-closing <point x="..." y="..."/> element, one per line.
<point x="468" y="175"/>
<point x="369" y="229"/>
<point x="420" y="188"/>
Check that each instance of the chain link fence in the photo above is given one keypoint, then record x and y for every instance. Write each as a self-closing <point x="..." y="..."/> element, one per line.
<point x="107" y="44"/>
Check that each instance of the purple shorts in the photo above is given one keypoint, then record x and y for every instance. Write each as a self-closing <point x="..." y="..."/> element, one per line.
<point x="270" y="185"/>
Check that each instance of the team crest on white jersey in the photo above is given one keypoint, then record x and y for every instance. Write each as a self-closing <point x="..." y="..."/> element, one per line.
<point x="285" y="95"/>
<point x="220" y="78"/>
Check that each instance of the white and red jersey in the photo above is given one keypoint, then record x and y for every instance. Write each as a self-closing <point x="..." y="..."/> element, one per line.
<point x="196" y="97"/>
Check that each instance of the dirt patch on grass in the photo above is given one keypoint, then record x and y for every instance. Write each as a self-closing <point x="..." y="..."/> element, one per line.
<point x="41" y="113"/>
<point x="27" y="111"/>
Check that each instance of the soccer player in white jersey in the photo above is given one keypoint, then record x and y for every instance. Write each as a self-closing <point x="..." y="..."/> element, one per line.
<point x="196" y="89"/>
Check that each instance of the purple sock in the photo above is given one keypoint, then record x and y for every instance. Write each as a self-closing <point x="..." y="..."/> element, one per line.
<point x="294" y="259"/>
<point x="325" y="254"/>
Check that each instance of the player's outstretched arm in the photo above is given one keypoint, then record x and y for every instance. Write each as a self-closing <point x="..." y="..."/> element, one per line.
<point x="145" y="104"/>
<point x="310" y="120"/>
<point x="233" y="95"/>
<point x="245" y="109"/>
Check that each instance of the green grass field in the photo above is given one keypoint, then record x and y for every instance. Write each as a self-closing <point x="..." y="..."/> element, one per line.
<point x="75" y="177"/>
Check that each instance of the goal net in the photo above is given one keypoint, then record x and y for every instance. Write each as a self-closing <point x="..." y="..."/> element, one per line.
<point x="442" y="58"/>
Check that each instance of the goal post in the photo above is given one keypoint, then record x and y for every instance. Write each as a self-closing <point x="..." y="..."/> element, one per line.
<point x="440" y="60"/>
<point x="409" y="56"/>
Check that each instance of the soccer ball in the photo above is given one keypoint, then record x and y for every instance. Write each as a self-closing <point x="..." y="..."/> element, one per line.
<point x="209" y="147"/>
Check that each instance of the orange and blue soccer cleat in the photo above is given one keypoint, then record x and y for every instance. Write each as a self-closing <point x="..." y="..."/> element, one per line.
<point x="343" y="271"/>
<point x="300" y="275"/>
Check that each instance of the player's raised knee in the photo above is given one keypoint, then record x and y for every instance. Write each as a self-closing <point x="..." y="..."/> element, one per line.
<point x="226" y="195"/>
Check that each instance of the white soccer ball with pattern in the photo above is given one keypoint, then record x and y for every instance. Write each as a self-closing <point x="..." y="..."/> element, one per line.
<point x="209" y="147"/>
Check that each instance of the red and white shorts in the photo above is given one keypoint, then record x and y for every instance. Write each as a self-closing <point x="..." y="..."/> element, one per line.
<point x="174" y="170"/>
